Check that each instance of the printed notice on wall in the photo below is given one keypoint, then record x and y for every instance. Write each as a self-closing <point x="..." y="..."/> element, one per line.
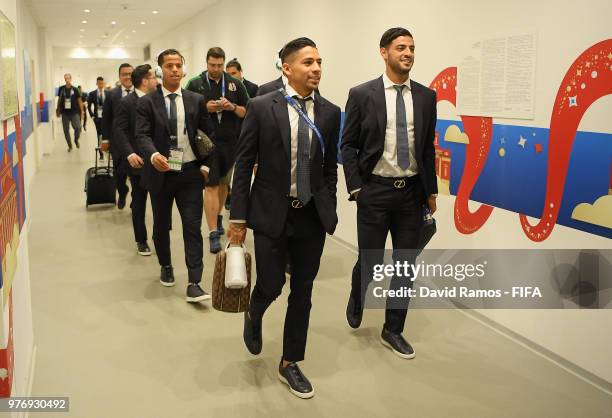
<point x="497" y="78"/>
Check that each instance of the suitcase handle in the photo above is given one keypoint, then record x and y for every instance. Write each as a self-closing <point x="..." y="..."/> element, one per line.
<point x="97" y="151"/>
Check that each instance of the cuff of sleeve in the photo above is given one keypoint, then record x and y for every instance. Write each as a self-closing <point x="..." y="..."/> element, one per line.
<point x="354" y="191"/>
<point x="153" y="155"/>
<point x="204" y="168"/>
<point x="238" y="221"/>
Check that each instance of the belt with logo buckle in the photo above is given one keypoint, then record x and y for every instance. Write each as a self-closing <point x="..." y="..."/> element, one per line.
<point x="295" y="203"/>
<point x="399" y="184"/>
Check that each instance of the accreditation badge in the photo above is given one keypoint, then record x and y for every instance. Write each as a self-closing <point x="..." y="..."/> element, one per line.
<point x="68" y="103"/>
<point x="231" y="86"/>
<point x="175" y="160"/>
<point x="99" y="113"/>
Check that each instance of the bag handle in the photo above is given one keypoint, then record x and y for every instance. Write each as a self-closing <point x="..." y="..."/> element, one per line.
<point x="229" y="244"/>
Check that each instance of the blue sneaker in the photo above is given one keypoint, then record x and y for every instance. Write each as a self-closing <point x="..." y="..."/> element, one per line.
<point x="215" y="242"/>
<point x="220" y="228"/>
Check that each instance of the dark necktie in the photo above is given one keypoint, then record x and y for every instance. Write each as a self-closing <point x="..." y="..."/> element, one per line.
<point x="100" y="98"/>
<point x="401" y="129"/>
<point x="303" y="156"/>
<point x="173" y="120"/>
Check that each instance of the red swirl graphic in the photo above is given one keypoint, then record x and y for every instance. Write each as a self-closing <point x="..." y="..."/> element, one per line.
<point x="479" y="131"/>
<point x="588" y="79"/>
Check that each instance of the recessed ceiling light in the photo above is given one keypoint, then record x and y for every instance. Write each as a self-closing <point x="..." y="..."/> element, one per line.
<point x="127" y="37"/>
<point x="143" y="23"/>
<point x="113" y="23"/>
<point x="133" y="30"/>
<point x="83" y="21"/>
<point x="82" y="30"/>
<point x="155" y="12"/>
<point x="87" y="10"/>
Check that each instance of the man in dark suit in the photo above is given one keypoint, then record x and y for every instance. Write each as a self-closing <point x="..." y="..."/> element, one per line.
<point x="292" y="202"/>
<point x="167" y="121"/>
<point x="124" y="129"/>
<point x="108" y="114"/>
<point x="234" y="68"/>
<point x="270" y="86"/>
<point x="96" y="100"/>
<point x="388" y="157"/>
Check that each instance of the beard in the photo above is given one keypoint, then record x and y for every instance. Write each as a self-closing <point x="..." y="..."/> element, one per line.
<point x="397" y="68"/>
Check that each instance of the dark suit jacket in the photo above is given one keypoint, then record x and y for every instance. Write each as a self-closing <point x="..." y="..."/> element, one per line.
<point x="92" y="100"/>
<point x="270" y="86"/>
<point x="266" y="134"/>
<point x="363" y="137"/>
<point x="251" y="88"/>
<point x="153" y="132"/>
<point x="111" y="104"/>
<point x="124" y="129"/>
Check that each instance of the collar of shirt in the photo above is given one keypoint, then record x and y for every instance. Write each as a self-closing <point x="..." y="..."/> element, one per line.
<point x="291" y="92"/>
<point x="284" y="80"/>
<point x="140" y="93"/>
<point x="124" y="90"/>
<point x="389" y="84"/>
<point x="166" y="92"/>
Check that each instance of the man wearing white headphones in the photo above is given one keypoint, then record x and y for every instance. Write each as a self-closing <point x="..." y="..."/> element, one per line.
<point x="167" y="121"/>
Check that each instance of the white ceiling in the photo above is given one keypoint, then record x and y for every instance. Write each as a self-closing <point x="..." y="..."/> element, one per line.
<point x="62" y="19"/>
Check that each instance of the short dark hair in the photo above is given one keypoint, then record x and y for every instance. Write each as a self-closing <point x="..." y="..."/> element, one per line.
<point x="234" y="63"/>
<point x="294" y="46"/>
<point x="215" y="52"/>
<point x="391" y="34"/>
<point x="140" y="73"/>
<point x="171" y="51"/>
<point x="100" y="78"/>
<point x="124" y="65"/>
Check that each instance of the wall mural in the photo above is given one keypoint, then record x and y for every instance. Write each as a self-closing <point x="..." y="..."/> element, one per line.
<point x="558" y="175"/>
<point x="12" y="197"/>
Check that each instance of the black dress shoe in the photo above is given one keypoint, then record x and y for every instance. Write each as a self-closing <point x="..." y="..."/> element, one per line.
<point x="397" y="344"/>
<point x="252" y="334"/>
<point x="354" y="313"/>
<point x="195" y="293"/>
<point x="295" y="379"/>
<point x="121" y="201"/>
<point x="167" y="276"/>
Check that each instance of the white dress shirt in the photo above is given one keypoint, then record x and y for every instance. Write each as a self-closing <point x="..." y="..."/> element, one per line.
<point x="294" y="120"/>
<point x="140" y="93"/>
<point x="181" y="128"/>
<point x="387" y="165"/>
<point x="124" y="91"/>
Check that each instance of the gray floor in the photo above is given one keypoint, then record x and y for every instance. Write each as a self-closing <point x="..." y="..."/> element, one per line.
<point x="117" y="343"/>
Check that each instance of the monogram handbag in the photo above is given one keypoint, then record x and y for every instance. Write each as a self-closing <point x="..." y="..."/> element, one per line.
<point x="227" y="299"/>
<point x="204" y="144"/>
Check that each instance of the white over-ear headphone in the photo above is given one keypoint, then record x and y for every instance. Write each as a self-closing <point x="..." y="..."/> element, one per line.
<point x="158" y="69"/>
<point x="279" y="63"/>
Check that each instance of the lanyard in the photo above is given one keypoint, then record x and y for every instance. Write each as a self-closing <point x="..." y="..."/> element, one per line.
<point x="222" y="84"/>
<point x="305" y="117"/>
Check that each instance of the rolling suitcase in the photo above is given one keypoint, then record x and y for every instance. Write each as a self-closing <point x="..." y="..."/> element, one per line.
<point x="100" y="184"/>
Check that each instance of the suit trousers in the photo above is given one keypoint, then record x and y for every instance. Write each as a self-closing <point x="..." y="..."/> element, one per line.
<point x="139" y="207"/>
<point x="98" y="123"/>
<point x="186" y="189"/>
<point x="302" y="240"/>
<point x="383" y="208"/>
<point x="71" y="119"/>
<point x="120" y="170"/>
